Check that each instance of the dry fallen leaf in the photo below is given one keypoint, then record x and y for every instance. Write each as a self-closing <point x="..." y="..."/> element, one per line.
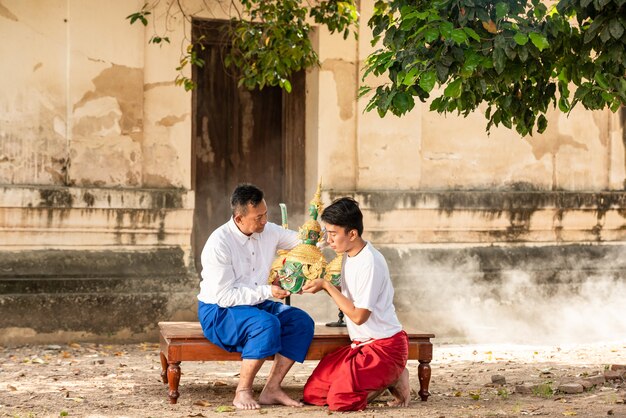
<point x="75" y="345"/>
<point x="202" y="403"/>
<point x="225" y="408"/>
<point x="75" y="399"/>
<point x="11" y="388"/>
<point x="219" y="383"/>
<point x="569" y="413"/>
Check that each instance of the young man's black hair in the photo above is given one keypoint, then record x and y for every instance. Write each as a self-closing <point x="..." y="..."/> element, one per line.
<point x="344" y="212"/>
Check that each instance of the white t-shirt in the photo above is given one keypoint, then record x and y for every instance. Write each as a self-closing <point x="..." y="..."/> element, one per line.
<point x="365" y="280"/>
<point x="235" y="267"/>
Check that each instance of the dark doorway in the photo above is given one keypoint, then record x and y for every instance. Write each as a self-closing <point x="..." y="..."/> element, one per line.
<point x="242" y="136"/>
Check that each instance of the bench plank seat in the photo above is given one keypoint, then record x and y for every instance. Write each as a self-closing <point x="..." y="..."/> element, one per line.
<point x="184" y="341"/>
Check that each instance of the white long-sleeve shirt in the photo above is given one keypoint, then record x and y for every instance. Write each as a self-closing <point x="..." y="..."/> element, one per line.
<point x="235" y="267"/>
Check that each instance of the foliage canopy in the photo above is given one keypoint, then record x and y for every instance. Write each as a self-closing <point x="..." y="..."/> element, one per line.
<point x="270" y="38"/>
<point x="519" y="57"/>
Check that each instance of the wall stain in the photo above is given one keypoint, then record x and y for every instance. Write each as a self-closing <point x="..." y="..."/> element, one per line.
<point x="120" y="82"/>
<point x="89" y="199"/>
<point x="518" y="206"/>
<point x="551" y="141"/>
<point x="6" y="13"/>
<point x="171" y="120"/>
<point x="150" y="86"/>
<point x="345" y="82"/>
<point x="156" y="180"/>
<point x="55" y="198"/>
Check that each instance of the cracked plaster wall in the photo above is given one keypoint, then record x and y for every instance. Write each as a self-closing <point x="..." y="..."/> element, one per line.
<point x="75" y="102"/>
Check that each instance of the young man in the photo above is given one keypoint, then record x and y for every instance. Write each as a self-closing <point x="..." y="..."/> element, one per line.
<point x="346" y="379"/>
<point x="233" y="306"/>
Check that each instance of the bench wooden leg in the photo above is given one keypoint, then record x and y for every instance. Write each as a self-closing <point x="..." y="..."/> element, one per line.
<point x="173" y="378"/>
<point x="423" y="373"/>
<point x="163" y="368"/>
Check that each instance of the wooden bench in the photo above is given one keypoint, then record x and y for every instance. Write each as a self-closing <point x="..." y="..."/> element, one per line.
<point x="184" y="341"/>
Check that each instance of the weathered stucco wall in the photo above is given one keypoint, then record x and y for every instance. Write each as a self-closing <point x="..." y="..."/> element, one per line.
<point x="95" y="212"/>
<point x="85" y="102"/>
<point x="93" y="263"/>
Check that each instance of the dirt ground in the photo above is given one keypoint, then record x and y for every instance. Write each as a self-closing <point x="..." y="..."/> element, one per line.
<point x="89" y="380"/>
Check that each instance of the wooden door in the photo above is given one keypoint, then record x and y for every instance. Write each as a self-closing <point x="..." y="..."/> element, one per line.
<point x="242" y="136"/>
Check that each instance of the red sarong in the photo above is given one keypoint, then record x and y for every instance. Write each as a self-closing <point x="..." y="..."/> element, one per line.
<point x="344" y="378"/>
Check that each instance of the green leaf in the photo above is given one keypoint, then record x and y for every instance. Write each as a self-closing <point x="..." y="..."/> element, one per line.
<point x="608" y="97"/>
<point x="471" y="33"/>
<point x="287" y="86"/>
<point x="616" y="28"/>
<point x="542" y="124"/>
<point x="616" y="106"/>
<point x="454" y="89"/>
<point x="499" y="60"/>
<point x="408" y="23"/>
<point x="427" y="80"/>
<point x="363" y="90"/>
<point x="601" y="80"/>
<point x="446" y="29"/>
<point x="459" y="36"/>
<point x="502" y="9"/>
<point x="402" y="103"/>
<point x="431" y="34"/>
<point x="522" y="53"/>
<point x="520" y="38"/>
<point x="410" y="77"/>
<point x="605" y="35"/>
<point x="442" y="72"/>
<point x="471" y="63"/>
<point x="539" y="41"/>
<point x="540" y="10"/>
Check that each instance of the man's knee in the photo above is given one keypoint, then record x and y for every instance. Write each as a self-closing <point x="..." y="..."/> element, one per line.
<point x="266" y="324"/>
<point x="262" y="338"/>
<point x="347" y="401"/>
<point x="314" y="395"/>
<point x="300" y="322"/>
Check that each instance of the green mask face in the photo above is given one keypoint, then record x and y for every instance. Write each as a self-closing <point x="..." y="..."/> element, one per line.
<point x="291" y="277"/>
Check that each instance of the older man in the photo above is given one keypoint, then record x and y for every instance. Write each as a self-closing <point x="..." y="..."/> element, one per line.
<point x="234" y="307"/>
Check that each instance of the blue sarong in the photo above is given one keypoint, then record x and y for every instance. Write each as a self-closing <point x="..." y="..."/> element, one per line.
<point x="258" y="331"/>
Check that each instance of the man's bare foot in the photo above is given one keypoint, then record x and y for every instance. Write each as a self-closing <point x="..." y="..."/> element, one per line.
<point x="276" y="396"/>
<point x="401" y="390"/>
<point x="244" y="399"/>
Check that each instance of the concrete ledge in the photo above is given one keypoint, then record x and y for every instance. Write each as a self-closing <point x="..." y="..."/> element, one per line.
<point x="93" y="295"/>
